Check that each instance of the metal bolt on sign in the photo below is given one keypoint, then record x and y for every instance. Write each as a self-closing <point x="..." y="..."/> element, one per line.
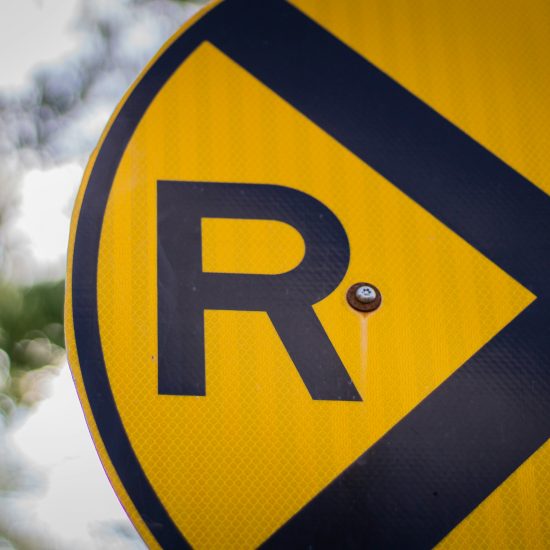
<point x="366" y="294"/>
<point x="364" y="297"/>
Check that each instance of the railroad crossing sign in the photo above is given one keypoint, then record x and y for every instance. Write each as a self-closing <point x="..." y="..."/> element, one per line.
<point x="275" y="164"/>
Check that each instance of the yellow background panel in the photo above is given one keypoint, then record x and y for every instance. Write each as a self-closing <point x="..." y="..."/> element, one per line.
<point x="484" y="66"/>
<point x="238" y="246"/>
<point x="233" y="466"/>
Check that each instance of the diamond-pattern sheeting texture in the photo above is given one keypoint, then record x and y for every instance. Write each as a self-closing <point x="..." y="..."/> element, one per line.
<point x="233" y="466"/>
<point x="513" y="516"/>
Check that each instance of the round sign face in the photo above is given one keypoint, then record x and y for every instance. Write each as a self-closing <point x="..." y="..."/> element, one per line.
<point x="303" y="308"/>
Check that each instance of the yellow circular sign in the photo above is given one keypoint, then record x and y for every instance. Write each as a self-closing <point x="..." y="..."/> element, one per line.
<point x="260" y="167"/>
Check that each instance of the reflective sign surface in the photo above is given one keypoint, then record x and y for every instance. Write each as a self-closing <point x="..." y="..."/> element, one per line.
<point x="271" y="156"/>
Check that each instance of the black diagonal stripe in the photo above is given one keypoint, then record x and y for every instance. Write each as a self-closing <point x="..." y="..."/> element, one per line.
<point x="423" y="477"/>
<point x="452" y="451"/>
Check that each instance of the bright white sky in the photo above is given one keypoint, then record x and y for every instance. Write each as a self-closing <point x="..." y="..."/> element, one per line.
<point x="47" y="197"/>
<point x="77" y="499"/>
<point x="33" y="32"/>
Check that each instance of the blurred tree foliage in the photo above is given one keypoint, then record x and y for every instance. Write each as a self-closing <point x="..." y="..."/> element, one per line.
<point x="31" y="337"/>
